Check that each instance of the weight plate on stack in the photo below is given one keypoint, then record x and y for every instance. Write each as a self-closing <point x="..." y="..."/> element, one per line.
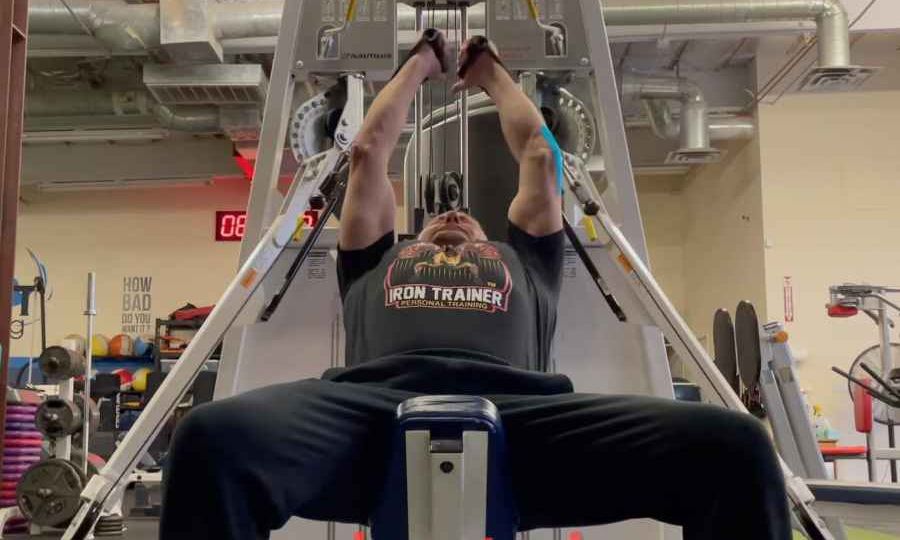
<point x="58" y="417"/>
<point x="60" y="364"/>
<point x="746" y="333"/>
<point x="726" y="355"/>
<point x="49" y="493"/>
<point x="21" y="409"/>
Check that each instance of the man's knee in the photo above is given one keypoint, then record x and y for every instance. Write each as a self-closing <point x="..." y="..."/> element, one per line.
<point x="210" y="431"/>
<point x="737" y="439"/>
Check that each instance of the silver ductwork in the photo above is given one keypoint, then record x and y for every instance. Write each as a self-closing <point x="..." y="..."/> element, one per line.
<point x="692" y="130"/>
<point x="122" y="26"/>
<point x="829" y="15"/>
<point x="194" y="118"/>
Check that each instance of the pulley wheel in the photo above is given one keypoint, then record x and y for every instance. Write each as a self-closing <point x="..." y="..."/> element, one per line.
<point x="308" y="128"/>
<point x="749" y="355"/>
<point x="60" y="364"/>
<point x="49" y="493"/>
<point x="726" y="355"/>
<point x="58" y="417"/>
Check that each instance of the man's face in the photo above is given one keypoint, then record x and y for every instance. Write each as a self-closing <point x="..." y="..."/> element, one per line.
<point x="453" y="229"/>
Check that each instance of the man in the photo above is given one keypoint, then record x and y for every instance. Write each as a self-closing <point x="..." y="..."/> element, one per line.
<point x="455" y="313"/>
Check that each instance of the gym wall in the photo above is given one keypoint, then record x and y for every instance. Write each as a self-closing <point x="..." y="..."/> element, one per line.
<point x="831" y="200"/>
<point x="664" y="216"/>
<point x="165" y="234"/>
<point x="723" y="237"/>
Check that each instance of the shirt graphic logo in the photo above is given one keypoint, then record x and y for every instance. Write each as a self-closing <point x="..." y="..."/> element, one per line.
<point x="470" y="277"/>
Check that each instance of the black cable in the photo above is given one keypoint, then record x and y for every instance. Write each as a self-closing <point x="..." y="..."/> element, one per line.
<point x="593" y="271"/>
<point x="880" y="380"/>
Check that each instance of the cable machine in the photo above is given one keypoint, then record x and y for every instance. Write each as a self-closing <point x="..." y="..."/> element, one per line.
<point x="355" y="48"/>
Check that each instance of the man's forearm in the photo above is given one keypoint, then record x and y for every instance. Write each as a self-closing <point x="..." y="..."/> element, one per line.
<point x="519" y="117"/>
<point x="386" y="118"/>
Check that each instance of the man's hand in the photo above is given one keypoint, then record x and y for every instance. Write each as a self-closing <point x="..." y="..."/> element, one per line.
<point x="483" y="72"/>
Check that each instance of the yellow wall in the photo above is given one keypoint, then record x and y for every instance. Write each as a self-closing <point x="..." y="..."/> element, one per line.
<point x="832" y="215"/>
<point x="664" y="218"/>
<point x="723" y="246"/>
<point x="166" y="234"/>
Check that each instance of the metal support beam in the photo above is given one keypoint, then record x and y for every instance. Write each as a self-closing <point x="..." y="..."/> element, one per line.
<point x="13" y="29"/>
<point x="612" y="135"/>
<point x="262" y="206"/>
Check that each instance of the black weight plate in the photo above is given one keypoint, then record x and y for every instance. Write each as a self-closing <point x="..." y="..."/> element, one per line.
<point x="746" y="333"/>
<point x="58" y="417"/>
<point x="726" y="354"/>
<point x="60" y="364"/>
<point x="49" y="493"/>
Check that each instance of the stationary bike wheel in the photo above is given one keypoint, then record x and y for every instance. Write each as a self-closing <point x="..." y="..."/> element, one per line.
<point x="872" y="357"/>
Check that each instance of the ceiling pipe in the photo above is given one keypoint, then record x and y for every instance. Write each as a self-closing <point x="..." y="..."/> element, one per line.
<point x="127" y="27"/>
<point x="729" y="128"/>
<point x="122" y="27"/>
<point x="722" y="127"/>
<point x="830" y="17"/>
<point x="655" y="92"/>
<point x="193" y="118"/>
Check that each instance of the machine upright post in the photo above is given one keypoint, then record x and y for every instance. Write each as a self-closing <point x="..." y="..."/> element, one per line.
<point x="261" y="207"/>
<point x="464" y="112"/>
<point x="90" y="311"/>
<point x="417" y="166"/>
<point x="884" y="324"/>
<point x="612" y="137"/>
<point x="887" y="365"/>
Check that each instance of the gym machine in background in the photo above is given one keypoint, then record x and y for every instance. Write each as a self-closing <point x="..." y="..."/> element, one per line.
<point x="264" y="304"/>
<point x="873" y="374"/>
<point x="758" y="363"/>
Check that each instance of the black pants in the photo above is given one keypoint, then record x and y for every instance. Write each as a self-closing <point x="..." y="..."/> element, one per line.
<point x="319" y="450"/>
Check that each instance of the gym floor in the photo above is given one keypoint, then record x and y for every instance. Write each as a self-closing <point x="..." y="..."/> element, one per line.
<point x="147" y="529"/>
<point x="138" y="529"/>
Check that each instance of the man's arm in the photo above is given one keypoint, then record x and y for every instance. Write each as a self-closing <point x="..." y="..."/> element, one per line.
<point x="369" y="207"/>
<point x="537" y="207"/>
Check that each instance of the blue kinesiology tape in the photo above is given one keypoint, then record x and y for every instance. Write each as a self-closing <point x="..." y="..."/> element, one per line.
<point x="557" y="155"/>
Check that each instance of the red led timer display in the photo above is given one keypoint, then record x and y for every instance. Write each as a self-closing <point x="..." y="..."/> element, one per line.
<point x="231" y="224"/>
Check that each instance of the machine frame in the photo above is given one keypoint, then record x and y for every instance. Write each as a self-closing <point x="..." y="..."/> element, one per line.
<point x="643" y="300"/>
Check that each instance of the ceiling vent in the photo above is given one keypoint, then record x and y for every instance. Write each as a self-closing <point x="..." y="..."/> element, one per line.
<point x="208" y="84"/>
<point x="836" y="79"/>
<point x="694" y="156"/>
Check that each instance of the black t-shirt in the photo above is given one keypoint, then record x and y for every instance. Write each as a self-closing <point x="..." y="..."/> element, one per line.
<point x="484" y="310"/>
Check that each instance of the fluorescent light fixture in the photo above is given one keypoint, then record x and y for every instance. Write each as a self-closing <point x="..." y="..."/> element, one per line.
<point x="104" y="185"/>
<point x="94" y="136"/>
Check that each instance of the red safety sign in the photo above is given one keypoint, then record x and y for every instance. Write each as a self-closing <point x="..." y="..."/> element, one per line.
<point x="788" y="299"/>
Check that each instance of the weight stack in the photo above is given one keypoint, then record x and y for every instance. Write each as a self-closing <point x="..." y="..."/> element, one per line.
<point x="22" y="448"/>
